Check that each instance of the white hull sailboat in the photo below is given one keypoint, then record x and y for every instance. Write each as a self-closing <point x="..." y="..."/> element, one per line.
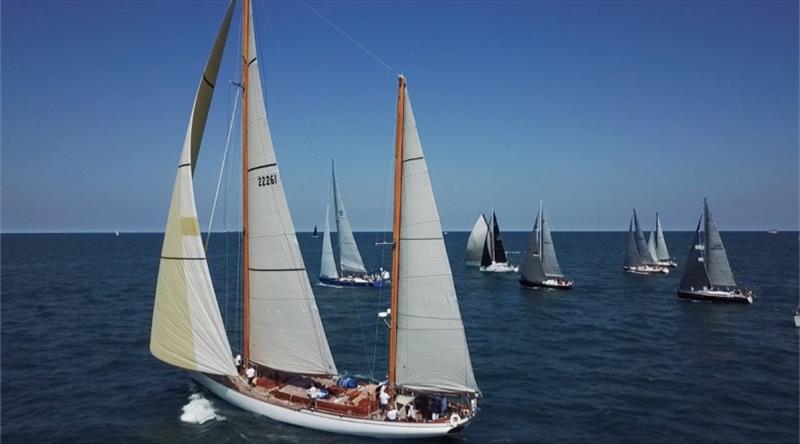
<point x="493" y="257"/>
<point x="638" y="257"/>
<point x="657" y="245"/>
<point x="540" y="268"/>
<point x="286" y="371"/>
<point x="708" y="275"/>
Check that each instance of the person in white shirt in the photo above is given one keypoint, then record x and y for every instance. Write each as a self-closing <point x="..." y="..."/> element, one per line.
<point x="391" y="415"/>
<point x="251" y="375"/>
<point x="384" y="398"/>
<point x="238" y="362"/>
<point x="412" y="413"/>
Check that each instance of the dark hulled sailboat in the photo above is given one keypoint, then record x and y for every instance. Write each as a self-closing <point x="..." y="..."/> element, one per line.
<point x="708" y="275"/>
<point x="540" y="268"/>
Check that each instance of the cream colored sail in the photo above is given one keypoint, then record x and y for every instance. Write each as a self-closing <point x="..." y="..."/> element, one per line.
<point x="432" y="353"/>
<point x="286" y="331"/>
<point x="187" y="329"/>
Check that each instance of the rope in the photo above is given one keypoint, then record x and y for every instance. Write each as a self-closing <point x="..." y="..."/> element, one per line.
<point x="222" y="168"/>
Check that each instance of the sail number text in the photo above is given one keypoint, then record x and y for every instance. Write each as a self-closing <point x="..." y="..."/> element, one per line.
<point x="270" y="179"/>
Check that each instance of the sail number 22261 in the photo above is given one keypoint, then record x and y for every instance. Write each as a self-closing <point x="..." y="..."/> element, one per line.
<point x="270" y="179"/>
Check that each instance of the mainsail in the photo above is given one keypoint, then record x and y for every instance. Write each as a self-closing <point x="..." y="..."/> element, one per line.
<point x="187" y="329"/>
<point x="432" y="353"/>
<point x="549" y="261"/>
<point x="476" y="241"/>
<point x="328" y="264"/>
<point x="716" y="260"/>
<point x="632" y="258"/>
<point x="641" y="244"/>
<point x="496" y="248"/>
<point x="694" y="273"/>
<point x="662" y="253"/>
<point x="349" y="257"/>
<point x="651" y="244"/>
<point x="532" y="269"/>
<point x="285" y="329"/>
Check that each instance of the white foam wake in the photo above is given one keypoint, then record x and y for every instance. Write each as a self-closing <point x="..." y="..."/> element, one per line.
<point x="199" y="410"/>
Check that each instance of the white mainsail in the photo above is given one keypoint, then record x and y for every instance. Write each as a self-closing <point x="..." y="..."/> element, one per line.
<point x="349" y="257"/>
<point x="286" y="332"/>
<point x="476" y="240"/>
<point x="432" y="352"/>
<point x="662" y="253"/>
<point x="187" y="329"/>
<point x="328" y="263"/>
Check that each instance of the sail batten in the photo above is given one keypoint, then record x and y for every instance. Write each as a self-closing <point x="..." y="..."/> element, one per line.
<point x="187" y="329"/>
<point x="432" y="353"/>
<point x="286" y="332"/>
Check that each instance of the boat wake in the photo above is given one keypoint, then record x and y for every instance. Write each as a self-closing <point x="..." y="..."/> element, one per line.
<point x="199" y="410"/>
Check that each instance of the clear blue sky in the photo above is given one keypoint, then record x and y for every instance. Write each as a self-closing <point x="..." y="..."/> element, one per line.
<point x="596" y="107"/>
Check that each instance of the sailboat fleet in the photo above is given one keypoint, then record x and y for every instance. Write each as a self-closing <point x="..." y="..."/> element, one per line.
<point x="286" y="370"/>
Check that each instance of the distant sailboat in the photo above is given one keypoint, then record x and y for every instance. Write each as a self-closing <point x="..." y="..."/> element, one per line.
<point x="315" y="233"/>
<point x="657" y="246"/>
<point x="540" y="268"/>
<point x="638" y="257"/>
<point x="708" y="275"/>
<point x="772" y="231"/>
<point x="116" y="233"/>
<point x="283" y="340"/>
<point x="476" y="241"/>
<point x="351" y="271"/>
<point x="493" y="257"/>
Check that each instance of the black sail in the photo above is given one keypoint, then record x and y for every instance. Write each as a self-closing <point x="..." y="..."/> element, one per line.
<point x="717" y="266"/>
<point x="499" y="251"/>
<point x="532" y="270"/>
<point x="632" y="258"/>
<point x="486" y="257"/>
<point x="694" y="272"/>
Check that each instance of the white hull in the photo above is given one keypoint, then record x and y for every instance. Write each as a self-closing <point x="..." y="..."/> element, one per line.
<point x="503" y="267"/>
<point x="797" y="320"/>
<point x="647" y="269"/>
<point x="330" y="422"/>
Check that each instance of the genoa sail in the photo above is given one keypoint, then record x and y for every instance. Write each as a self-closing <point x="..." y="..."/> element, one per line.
<point x="632" y="258"/>
<point x="432" y="352"/>
<point x="349" y="257"/>
<point x="662" y="253"/>
<point x="286" y="332"/>
<point x="716" y="260"/>
<point x="549" y="260"/>
<point x="328" y="264"/>
<point x="641" y="244"/>
<point x="187" y="329"/>
<point x="476" y="241"/>
<point x="694" y="273"/>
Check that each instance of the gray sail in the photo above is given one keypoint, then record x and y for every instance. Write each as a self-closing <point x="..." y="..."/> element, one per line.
<point x="549" y="261"/>
<point x="532" y="270"/>
<point x="651" y="243"/>
<point x="349" y="257"/>
<point x="632" y="258"/>
<point x="662" y="253"/>
<point x="641" y="244"/>
<point x="694" y="273"/>
<point x="477" y="237"/>
<point x="328" y="265"/>
<point x="717" y="266"/>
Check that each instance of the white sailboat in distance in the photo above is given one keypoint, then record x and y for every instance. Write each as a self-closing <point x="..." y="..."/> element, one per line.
<point x="287" y="371"/>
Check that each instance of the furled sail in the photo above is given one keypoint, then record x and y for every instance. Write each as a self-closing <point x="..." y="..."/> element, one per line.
<point x="662" y="253"/>
<point x="717" y="266"/>
<point x="349" y="257"/>
<point x="187" y="329"/>
<point x="532" y="270"/>
<point x="632" y="258"/>
<point x="497" y="249"/>
<point x="328" y="264"/>
<point x="286" y="332"/>
<point x="432" y="353"/>
<point x="694" y="273"/>
<point x="477" y="238"/>
<point x="549" y="260"/>
<point x="641" y="244"/>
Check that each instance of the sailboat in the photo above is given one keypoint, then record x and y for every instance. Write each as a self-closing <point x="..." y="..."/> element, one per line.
<point x="708" y="275"/>
<point x="351" y="271"/>
<point x="287" y="372"/>
<point x="657" y="246"/>
<point x="476" y="241"/>
<point x="493" y="257"/>
<point x="638" y="257"/>
<point x="540" y="268"/>
<point x="315" y="233"/>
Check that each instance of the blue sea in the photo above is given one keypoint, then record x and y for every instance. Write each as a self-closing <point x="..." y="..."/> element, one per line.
<point x="617" y="359"/>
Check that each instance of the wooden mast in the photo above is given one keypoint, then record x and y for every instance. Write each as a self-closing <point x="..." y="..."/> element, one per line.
<point x="398" y="199"/>
<point x="245" y="191"/>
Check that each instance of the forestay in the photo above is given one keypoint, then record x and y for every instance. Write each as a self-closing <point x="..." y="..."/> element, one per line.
<point x="349" y="257"/>
<point x="432" y="353"/>
<point x="286" y="332"/>
<point x="476" y="241"/>
<point x="187" y="329"/>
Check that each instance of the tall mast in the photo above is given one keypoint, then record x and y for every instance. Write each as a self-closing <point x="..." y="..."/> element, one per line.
<point x="540" y="234"/>
<point x="398" y="199"/>
<point x="245" y="191"/>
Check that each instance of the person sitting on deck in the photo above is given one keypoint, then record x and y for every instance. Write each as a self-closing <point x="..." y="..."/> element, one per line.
<point x="250" y="373"/>
<point x="391" y="415"/>
<point x="412" y="413"/>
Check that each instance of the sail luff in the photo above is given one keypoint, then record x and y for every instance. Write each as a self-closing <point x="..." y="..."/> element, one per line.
<point x="286" y="332"/>
<point x="349" y="257"/>
<point x="717" y="265"/>
<point x="187" y="329"/>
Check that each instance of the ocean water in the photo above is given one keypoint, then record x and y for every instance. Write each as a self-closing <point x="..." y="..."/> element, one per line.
<point x="617" y="359"/>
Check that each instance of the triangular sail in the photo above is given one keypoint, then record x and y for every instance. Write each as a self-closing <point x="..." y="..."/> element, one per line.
<point x="532" y="270"/>
<point x="286" y="332"/>
<point x="432" y="353"/>
<point x="641" y="244"/>
<point x="694" y="273"/>
<point x="486" y="255"/>
<point x="662" y="253"/>
<point x="328" y="264"/>
<point x="498" y="250"/>
<point x="549" y="260"/>
<point x="187" y="329"/>
<point x="717" y="266"/>
<point x="632" y="258"/>
<point x="477" y="238"/>
<point x="651" y="244"/>
<point x="349" y="257"/>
